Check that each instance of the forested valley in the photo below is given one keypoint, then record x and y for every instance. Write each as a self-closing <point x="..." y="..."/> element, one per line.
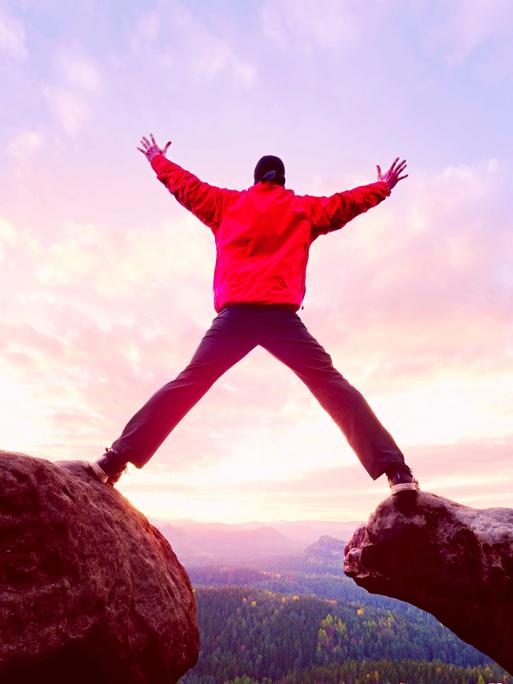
<point x="300" y="620"/>
<point x="254" y="636"/>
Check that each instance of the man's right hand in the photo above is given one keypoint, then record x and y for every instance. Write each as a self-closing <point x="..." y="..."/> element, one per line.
<point x="150" y="148"/>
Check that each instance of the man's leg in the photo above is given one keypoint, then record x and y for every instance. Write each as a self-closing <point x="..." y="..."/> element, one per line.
<point x="226" y="342"/>
<point x="290" y="342"/>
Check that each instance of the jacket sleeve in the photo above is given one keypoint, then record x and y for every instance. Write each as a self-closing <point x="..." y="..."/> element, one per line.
<point x="203" y="200"/>
<point x="331" y="213"/>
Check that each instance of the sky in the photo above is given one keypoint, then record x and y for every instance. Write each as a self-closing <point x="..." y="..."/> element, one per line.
<point x="106" y="282"/>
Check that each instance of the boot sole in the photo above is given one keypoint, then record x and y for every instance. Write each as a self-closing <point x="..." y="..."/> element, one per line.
<point x="405" y="487"/>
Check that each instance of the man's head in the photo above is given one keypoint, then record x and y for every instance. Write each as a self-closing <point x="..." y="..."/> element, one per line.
<point x="270" y="169"/>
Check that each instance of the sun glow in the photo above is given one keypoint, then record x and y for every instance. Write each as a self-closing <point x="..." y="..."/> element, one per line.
<point x="23" y="427"/>
<point x="448" y="409"/>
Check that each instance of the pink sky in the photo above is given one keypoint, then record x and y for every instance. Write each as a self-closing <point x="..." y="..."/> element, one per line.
<point x="106" y="281"/>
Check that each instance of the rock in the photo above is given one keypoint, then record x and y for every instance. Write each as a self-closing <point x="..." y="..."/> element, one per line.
<point x="454" y="561"/>
<point x="89" y="590"/>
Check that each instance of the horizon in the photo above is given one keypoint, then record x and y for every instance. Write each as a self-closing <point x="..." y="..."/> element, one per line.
<point x="106" y="282"/>
<point x="247" y="523"/>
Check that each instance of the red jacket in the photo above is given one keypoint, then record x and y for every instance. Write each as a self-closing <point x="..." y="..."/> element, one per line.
<point x="263" y="234"/>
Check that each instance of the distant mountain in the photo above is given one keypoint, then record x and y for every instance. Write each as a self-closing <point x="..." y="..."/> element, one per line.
<point x="325" y="550"/>
<point x="198" y="543"/>
<point x="207" y="545"/>
<point x="308" y="531"/>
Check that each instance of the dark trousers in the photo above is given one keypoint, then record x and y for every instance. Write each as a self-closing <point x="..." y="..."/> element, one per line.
<point x="234" y="333"/>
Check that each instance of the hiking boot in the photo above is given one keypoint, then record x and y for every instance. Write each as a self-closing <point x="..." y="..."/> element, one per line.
<point x="109" y="468"/>
<point x="401" y="479"/>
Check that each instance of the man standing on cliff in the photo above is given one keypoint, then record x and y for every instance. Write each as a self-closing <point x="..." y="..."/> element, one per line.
<point x="263" y="236"/>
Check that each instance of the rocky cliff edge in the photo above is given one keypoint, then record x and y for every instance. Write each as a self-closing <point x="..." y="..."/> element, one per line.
<point x="454" y="561"/>
<point x="90" y="591"/>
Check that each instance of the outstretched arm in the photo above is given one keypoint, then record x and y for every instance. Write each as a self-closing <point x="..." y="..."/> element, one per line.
<point x="203" y="200"/>
<point x="330" y="213"/>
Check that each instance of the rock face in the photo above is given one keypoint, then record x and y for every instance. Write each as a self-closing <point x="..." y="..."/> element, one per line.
<point x="89" y="590"/>
<point x="453" y="561"/>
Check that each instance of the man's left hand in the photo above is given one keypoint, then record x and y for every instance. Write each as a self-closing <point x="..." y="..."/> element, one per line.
<point x="393" y="175"/>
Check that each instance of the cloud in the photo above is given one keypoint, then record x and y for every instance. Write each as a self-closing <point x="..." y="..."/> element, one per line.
<point x="71" y="109"/>
<point x="210" y="55"/>
<point x="88" y="324"/>
<point x="421" y="277"/>
<point x="219" y="58"/>
<point x="308" y="25"/>
<point x="12" y="36"/>
<point x="7" y="233"/>
<point x="25" y="145"/>
<point x="71" y="95"/>
<point x="125" y="263"/>
<point x="469" y="25"/>
<point x="145" y="31"/>
<point x="78" y="71"/>
<point x="337" y="493"/>
<point x="189" y="44"/>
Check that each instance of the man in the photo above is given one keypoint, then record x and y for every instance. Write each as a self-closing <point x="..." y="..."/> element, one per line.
<point x="263" y="236"/>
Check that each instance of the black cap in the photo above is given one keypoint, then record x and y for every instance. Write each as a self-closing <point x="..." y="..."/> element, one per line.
<point x="270" y="169"/>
